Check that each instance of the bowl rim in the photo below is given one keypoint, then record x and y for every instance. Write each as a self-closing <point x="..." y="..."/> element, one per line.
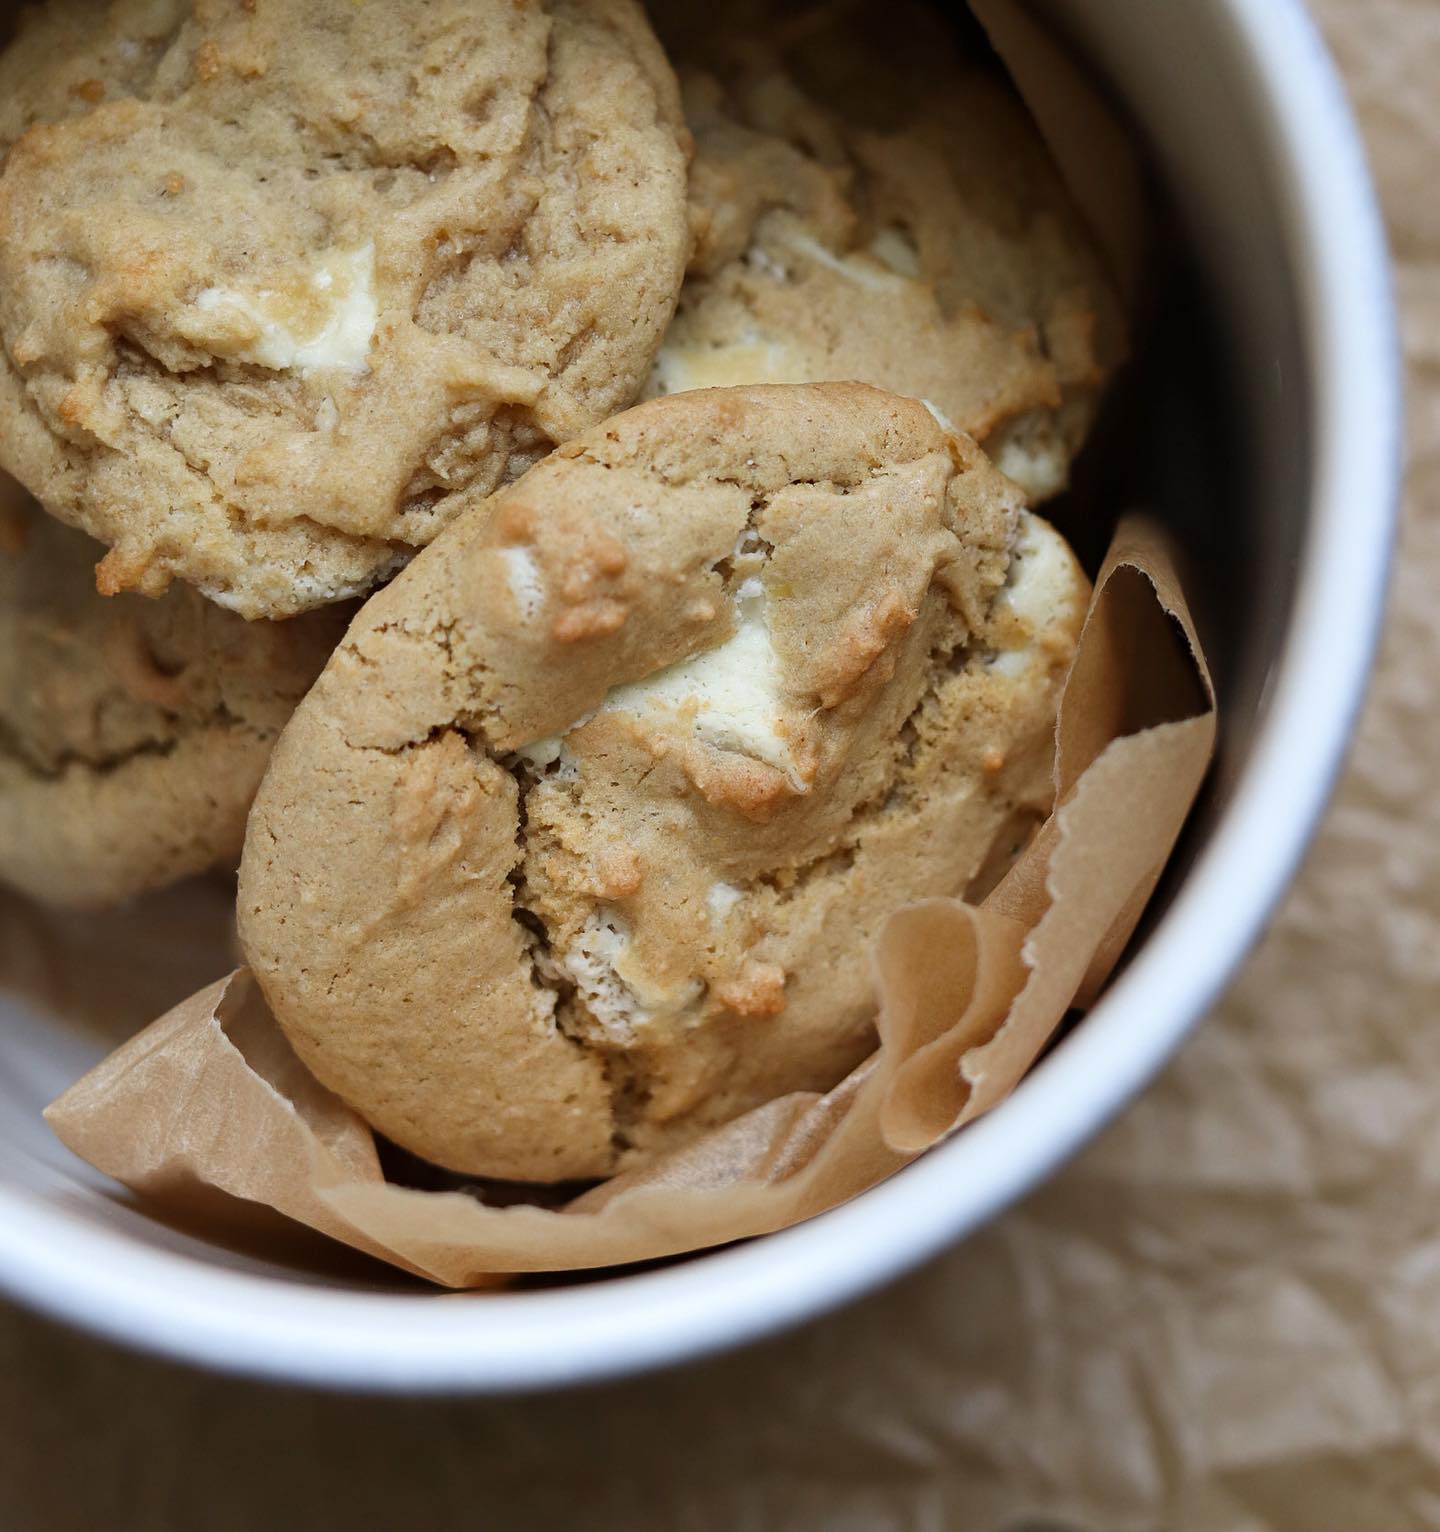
<point x="182" y="1307"/>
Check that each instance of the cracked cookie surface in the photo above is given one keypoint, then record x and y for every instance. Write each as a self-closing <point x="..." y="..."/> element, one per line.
<point x="282" y="280"/>
<point x="872" y="203"/>
<point x="133" y="733"/>
<point x="576" y="848"/>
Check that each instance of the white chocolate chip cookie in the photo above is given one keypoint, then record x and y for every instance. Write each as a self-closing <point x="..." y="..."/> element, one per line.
<point x="874" y="205"/>
<point x="576" y="848"/>
<point x="133" y="733"/>
<point x="281" y="280"/>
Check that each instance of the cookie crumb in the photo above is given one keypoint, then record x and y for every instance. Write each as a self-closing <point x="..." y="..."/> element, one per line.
<point x="118" y="572"/>
<point x="619" y="873"/>
<point x="516" y="522"/>
<point x="72" y="407"/>
<point x="594" y="619"/>
<point x="207" y="61"/>
<point x="598" y="557"/>
<point x="758" y="991"/>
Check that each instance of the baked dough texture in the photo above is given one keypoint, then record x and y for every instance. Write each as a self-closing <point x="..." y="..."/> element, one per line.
<point x="576" y="847"/>
<point x="133" y="733"/>
<point x="282" y="280"/>
<point x="872" y="203"/>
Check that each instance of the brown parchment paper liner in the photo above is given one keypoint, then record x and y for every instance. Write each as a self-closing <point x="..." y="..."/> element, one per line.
<point x="211" y="1097"/>
<point x="1084" y="135"/>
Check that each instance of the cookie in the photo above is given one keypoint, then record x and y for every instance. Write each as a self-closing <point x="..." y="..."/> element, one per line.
<point x="576" y="847"/>
<point x="133" y="733"/>
<point x="873" y="204"/>
<point x="281" y="281"/>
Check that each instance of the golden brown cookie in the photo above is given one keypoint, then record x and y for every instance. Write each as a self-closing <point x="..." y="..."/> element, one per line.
<point x="133" y="733"/>
<point x="576" y="847"/>
<point x="280" y="281"/>
<point x="874" y="204"/>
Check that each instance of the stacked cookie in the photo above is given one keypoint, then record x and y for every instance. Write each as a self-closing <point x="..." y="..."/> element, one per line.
<point x="574" y="847"/>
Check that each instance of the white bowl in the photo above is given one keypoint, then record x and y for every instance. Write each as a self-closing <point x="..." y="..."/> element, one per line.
<point x="1256" y="146"/>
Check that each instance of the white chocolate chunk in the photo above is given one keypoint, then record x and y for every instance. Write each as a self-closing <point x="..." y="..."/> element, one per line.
<point x="1036" y="460"/>
<point x="590" y="966"/>
<point x="551" y="751"/>
<point x="540" y="753"/>
<point x="729" y="696"/>
<point x="758" y="258"/>
<point x="678" y="369"/>
<point x="1041" y="587"/>
<point x="863" y="269"/>
<point x="522" y="574"/>
<point x="722" y="898"/>
<point x="940" y="418"/>
<point x="326" y="319"/>
<point x="890" y="265"/>
<point x="313" y="590"/>
<point x="894" y="248"/>
<point x="617" y="996"/>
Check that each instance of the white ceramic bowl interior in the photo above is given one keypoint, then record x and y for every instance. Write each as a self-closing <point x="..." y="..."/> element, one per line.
<point x="1253" y="141"/>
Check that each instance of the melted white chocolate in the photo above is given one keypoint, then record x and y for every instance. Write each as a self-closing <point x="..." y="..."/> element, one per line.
<point x="326" y="318"/>
<point x="729" y="697"/>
